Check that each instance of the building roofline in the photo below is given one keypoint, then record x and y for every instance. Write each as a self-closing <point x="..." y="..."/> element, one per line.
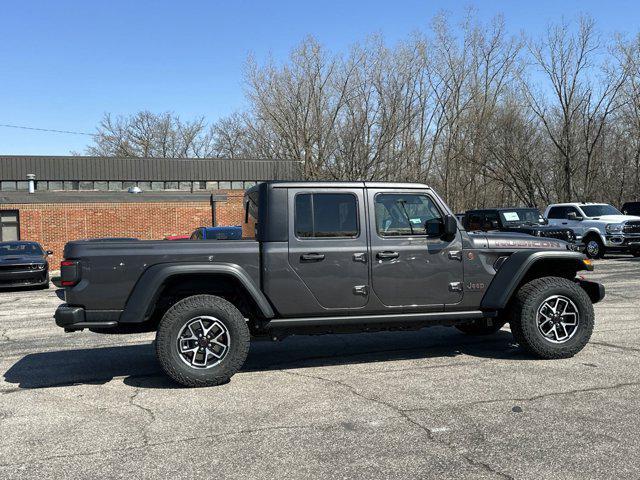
<point x="191" y="159"/>
<point x="88" y="168"/>
<point x="62" y="197"/>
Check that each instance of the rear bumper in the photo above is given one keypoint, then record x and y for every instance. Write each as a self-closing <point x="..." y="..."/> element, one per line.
<point x="74" y="318"/>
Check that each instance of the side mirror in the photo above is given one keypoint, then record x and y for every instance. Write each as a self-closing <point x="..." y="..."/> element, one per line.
<point x="494" y="224"/>
<point x="49" y="252"/>
<point x="450" y="227"/>
<point x="573" y="216"/>
<point x="444" y="228"/>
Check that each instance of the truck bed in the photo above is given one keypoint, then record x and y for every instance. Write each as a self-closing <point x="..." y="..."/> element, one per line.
<point x="109" y="269"/>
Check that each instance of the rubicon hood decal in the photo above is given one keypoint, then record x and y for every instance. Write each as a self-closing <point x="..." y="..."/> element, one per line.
<point x="524" y="242"/>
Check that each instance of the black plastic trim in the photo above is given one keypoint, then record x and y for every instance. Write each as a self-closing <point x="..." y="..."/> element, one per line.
<point x="146" y="290"/>
<point x="373" y="319"/>
<point x="513" y="270"/>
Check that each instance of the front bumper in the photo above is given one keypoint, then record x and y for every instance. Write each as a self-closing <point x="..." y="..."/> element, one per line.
<point x="595" y="290"/>
<point x="23" y="278"/>
<point x="623" y="242"/>
<point x="74" y="318"/>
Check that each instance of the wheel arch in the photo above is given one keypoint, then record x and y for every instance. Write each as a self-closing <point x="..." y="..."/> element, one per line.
<point x="164" y="280"/>
<point x="591" y="232"/>
<point x="523" y="266"/>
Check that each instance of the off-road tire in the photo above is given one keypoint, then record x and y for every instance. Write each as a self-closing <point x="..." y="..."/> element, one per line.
<point x="524" y="309"/>
<point x="601" y="248"/>
<point x="480" y="327"/>
<point x="182" y="313"/>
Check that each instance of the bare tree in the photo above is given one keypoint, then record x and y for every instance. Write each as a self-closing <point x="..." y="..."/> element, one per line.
<point x="575" y="114"/>
<point x="146" y="134"/>
<point x="468" y="110"/>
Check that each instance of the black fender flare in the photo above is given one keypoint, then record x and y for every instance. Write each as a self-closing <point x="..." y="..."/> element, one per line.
<point x="145" y="292"/>
<point x="513" y="270"/>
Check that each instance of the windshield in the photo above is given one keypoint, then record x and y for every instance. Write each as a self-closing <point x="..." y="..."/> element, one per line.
<point x="20" y="249"/>
<point x="599" y="210"/>
<point x="522" y="215"/>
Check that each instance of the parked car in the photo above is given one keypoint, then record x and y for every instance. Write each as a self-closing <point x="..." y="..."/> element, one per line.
<point x="217" y="233"/>
<point x="521" y="220"/>
<point x="23" y="264"/>
<point x="631" y="208"/>
<point x="328" y="257"/>
<point x="603" y="228"/>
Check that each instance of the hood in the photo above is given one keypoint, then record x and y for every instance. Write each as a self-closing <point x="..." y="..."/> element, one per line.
<point x="536" y="228"/>
<point x="21" y="259"/>
<point x="516" y="241"/>
<point x="615" y="218"/>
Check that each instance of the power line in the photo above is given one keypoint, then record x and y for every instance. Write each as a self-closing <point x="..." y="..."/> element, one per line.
<point x="47" y="130"/>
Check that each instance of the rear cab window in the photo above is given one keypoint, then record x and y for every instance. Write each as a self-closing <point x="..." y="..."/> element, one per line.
<point x="326" y="215"/>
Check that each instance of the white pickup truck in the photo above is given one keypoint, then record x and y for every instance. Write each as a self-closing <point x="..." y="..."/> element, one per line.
<point x="600" y="226"/>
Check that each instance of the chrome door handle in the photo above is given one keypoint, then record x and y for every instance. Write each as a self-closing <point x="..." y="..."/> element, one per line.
<point x="387" y="255"/>
<point x="455" y="255"/>
<point x="312" y="257"/>
<point x="360" y="257"/>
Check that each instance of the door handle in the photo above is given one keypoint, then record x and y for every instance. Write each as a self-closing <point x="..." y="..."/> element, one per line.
<point x="312" y="257"/>
<point x="387" y="255"/>
<point x="564" y="223"/>
<point x="360" y="257"/>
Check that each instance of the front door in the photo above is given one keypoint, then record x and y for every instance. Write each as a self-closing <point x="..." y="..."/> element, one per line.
<point x="409" y="269"/>
<point x="328" y="245"/>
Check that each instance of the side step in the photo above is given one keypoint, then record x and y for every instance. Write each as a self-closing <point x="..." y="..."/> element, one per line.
<point x="435" y="317"/>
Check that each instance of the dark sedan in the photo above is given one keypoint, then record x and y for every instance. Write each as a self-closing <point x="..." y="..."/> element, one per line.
<point x="23" y="264"/>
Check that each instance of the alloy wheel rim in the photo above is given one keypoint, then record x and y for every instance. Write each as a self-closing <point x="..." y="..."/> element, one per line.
<point x="558" y="319"/>
<point x="203" y="342"/>
<point x="593" y="248"/>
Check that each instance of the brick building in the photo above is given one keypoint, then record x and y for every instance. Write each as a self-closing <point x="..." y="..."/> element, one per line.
<point x="52" y="200"/>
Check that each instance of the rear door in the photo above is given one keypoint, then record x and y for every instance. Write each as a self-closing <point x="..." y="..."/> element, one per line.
<point x="409" y="269"/>
<point x="328" y="245"/>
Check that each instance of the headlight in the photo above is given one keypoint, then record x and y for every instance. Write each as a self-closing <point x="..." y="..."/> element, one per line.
<point x="36" y="266"/>
<point x="614" y="227"/>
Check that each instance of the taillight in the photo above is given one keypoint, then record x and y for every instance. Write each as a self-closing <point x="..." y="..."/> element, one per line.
<point x="69" y="273"/>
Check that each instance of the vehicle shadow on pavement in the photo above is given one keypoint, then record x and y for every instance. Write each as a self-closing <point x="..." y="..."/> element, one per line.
<point x="138" y="365"/>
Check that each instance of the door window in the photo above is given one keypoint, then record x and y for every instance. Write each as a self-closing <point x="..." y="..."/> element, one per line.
<point x="558" y="212"/>
<point x="326" y="215"/>
<point x="490" y="221"/>
<point x="400" y="214"/>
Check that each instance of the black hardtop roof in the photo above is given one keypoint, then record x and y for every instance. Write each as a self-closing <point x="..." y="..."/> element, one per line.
<point x="339" y="184"/>
<point x="501" y="209"/>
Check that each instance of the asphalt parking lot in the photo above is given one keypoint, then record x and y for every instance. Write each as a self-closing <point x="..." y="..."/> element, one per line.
<point x="427" y="404"/>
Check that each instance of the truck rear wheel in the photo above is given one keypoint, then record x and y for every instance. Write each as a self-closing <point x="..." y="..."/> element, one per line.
<point x="552" y="317"/>
<point x="202" y="341"/>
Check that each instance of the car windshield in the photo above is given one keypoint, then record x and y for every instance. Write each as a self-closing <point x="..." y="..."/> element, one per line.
<point x="20" y="249"/>
<point x="599" y="210"/>
<point x="522" y="215"/>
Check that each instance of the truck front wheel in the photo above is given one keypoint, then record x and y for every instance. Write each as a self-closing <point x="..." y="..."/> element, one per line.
<point x="552" y="317"/>
<point x="594" y="247"/>
<point x="202" y="341"/>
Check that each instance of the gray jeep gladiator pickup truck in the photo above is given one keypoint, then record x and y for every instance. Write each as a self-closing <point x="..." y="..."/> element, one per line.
<point x="328" y="257"/>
